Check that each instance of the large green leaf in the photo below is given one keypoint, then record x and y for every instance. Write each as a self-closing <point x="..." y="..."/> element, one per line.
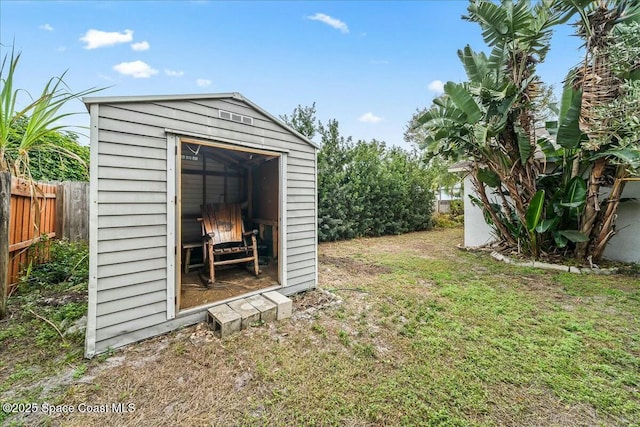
<point x="547" y="224"/>
<point x="551" y="153"/>
<point x="443" y="109"/>
<point x="492" y="18"/>
<point x="569" y="133"/>
<point x="496" y="61"/>
<point x="488" y="177"/>
<point x="475" y="64"/>
<point x="575" y="195"/>
<point x="574" y="235"/>
<point x="463" y="100"/>
<point x="534" y="212"/>
<point x="560" y="240"/>
<point x="524" y="146"/>
<point x="552" y="127"/>
<point x="568" y="92"/>
<point x="480" y="133"/>
<point x="624" y="155"/>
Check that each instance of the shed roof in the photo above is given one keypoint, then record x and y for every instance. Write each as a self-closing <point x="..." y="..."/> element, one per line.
<point x="184" y="97"/>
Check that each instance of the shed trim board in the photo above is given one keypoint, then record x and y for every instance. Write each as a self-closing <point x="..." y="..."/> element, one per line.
<point x="174" y="193"/>
<point x="315" y="216"/>
<point x="92" y="299"/>
<point x="172" y="248"/>
<point x="135" y="212"/>
<point x="219" y="142"/>
<point x="177" y="280"/>
<point x="282" y="217"/>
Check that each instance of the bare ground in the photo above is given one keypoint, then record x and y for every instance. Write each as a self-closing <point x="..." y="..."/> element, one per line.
<point x="351" y="359"/>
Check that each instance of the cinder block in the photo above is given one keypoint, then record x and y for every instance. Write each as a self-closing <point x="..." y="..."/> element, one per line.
<point x="268" y="310"/>
<point x="247" y="312"/>
<point x="224" y="319"/>
<point x="284" y="304"/>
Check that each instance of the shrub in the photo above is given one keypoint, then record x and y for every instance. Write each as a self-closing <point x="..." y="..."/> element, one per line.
<point x="68" y="262"/>
<point x="456" y="208"/>
<point x="367" y="189"/>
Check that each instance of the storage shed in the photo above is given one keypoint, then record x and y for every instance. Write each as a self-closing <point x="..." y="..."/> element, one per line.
<point x="155" y="161"/>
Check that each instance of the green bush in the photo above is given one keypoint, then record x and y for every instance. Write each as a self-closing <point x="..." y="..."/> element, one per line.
<point x="456" y="208"/>
<point x="68" y="263"/>
<point x="367" y="189"/>
<point x="57" y="157"/>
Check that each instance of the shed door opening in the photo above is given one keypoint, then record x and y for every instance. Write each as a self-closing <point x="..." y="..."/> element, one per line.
<point x="218" y="175"/>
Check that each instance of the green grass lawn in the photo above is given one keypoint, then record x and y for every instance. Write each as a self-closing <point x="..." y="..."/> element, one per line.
<point x="426" y="335"/>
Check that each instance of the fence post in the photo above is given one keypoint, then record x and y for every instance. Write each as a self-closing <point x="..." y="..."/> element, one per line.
<point x="60" y="211"/>
<point x="5" y="208"/>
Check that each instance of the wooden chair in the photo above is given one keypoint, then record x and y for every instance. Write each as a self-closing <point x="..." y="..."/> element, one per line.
<point x="224" y="237"/>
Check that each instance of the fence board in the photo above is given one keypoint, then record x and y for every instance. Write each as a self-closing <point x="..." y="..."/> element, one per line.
<point x="72" y="206"/>
<point x="32" y="214"/>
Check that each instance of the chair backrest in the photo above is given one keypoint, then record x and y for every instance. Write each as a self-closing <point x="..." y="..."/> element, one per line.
<point x="224" y="220"/>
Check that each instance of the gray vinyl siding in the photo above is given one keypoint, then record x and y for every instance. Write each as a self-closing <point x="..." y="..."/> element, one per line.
<point x="131" y="229"/>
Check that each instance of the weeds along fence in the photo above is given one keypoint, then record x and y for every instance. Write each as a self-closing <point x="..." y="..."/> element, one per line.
<point x="57" y="210"/>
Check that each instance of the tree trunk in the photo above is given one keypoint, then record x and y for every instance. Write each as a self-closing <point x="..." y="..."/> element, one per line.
<point x="606" y="231"/>
<point x="592" y="206"/>
<point x="5" y="203"/>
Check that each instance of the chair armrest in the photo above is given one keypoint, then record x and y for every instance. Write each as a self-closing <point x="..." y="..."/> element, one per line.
<point x="249" y="233"/>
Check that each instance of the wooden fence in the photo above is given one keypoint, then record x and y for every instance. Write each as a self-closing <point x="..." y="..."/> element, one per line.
<point x="32" y="215"/>
<point x="58" y="210"/>
<point x="72" y="207"/>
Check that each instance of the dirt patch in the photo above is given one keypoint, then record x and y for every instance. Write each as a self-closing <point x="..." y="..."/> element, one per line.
<point x="64" y="299"/>
<point x="354" y="266"/>
<point x="230" y="282"/>
<point x="547" y="410"/>
<point x="316" y="298"/>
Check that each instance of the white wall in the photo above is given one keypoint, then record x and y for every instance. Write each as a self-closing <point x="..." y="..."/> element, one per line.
<point x="476" y="231"/>
<point x="625" y="246"/>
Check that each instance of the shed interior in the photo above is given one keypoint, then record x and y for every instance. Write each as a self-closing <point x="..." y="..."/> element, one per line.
<point x="217" y="173"/>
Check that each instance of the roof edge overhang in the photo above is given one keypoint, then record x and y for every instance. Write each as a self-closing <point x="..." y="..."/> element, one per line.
<point x="88" y="101"/>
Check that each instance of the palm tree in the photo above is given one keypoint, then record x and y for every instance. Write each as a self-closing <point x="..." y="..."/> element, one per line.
<point x="43" y="115"/>
<point x="489" y="119"/>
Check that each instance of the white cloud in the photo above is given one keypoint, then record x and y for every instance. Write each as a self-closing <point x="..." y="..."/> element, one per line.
<point x="140" y="46"/>
<point x="370" y="118"/>
<point x="203" y="82"/>
<point x="135" y="69"/>
<point x="61" y="48"/>
<point x="96" y="38"/>
<point x="173" y="73"/>
<point x="436" y="86"/>
<point x="330" y="21"/>
<point x="46" y="27"/>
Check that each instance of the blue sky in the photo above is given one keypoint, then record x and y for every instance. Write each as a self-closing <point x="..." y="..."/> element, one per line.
<point x="368" y="64"/>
